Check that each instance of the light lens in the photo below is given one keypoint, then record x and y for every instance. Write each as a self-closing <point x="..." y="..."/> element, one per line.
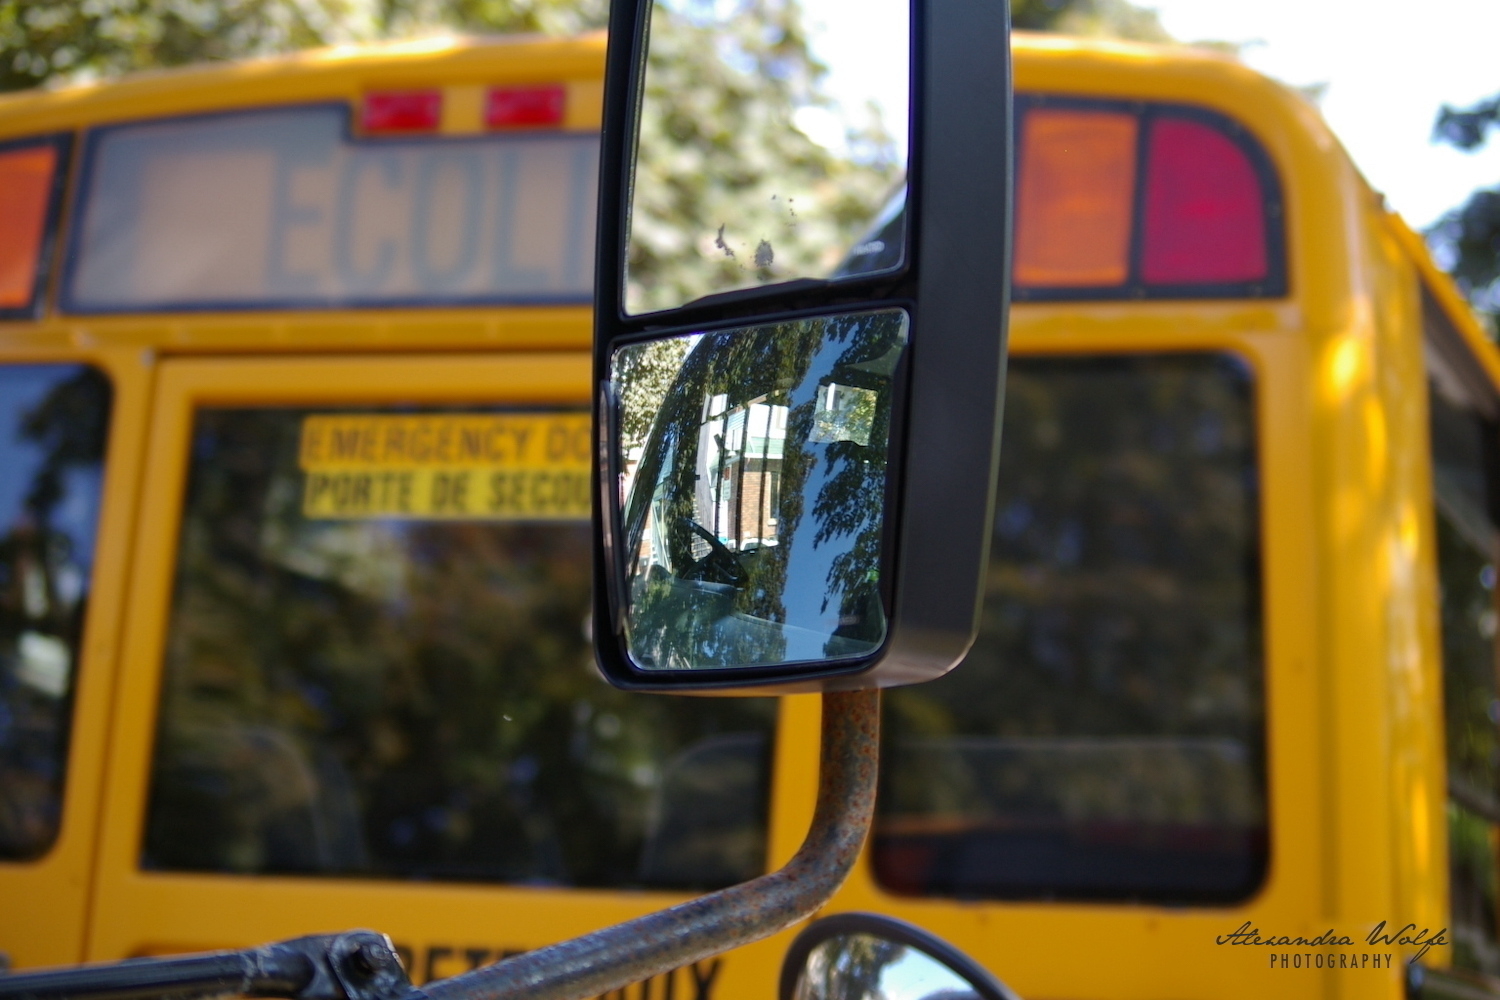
<point x="25" y="189"/>
<point x="403" y="111"/>
<point x="524" y="107"/>
<point x="1205" y="215"/>
<point x="1074" y="198"/>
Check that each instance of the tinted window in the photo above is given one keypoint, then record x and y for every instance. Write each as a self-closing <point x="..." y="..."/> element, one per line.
<point x="378" y="664"/>
<point x="1105" y="737"/>
<point x="53" y="422"/>
<point x="1463" y="452"/>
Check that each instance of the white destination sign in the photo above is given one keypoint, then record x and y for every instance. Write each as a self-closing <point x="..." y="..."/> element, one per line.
<point x="282" y="209"/>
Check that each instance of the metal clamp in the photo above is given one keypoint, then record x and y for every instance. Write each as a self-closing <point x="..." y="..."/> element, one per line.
<point x="354" y="965"/>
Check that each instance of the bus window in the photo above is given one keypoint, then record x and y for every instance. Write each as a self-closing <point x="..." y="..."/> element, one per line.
<point x="281" y="209"/>
<point x="1104" y="739"/>
<point x="1463" y="457"/>
<point x="378" y="665"/>
<point x="53" y="422"/>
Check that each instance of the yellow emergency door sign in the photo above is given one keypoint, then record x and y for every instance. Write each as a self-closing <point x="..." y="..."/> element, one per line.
<point x="475" y="466"/>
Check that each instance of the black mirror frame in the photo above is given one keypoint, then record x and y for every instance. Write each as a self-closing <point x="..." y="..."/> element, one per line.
<point x="955" y="283"/>
<point x="986" y="984"/>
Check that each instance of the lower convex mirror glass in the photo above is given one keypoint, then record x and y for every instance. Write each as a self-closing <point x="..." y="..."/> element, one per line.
<point x="865" y="956"/>
<point x="753" y="465"/>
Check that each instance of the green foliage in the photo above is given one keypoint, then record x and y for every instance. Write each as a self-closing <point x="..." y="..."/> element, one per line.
<point x="397" y="18"/>
<point x="1115" y="684"/>
<point x="62" y="39"/>
<point x="43" y="41"/>
<point x="728" y="190"/>
<point x="1467" y="239"/>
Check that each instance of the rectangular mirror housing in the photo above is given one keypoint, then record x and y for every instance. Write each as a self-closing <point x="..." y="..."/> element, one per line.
<point x="797" y="452"/>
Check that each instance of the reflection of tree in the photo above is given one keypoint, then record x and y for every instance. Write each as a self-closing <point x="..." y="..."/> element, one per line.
<point x="721" y="161"/>
<point x="643" y="374"/>
<point x="849" y="967"/>
<point x="785" y="364"/>
<point x="1122" y="603"/>
<point x="408" y="700"/>
<point x="743" y="366"/>
<point x="1465" y="544"/>
<point x="69" y="425"/>
<point x="43" y="586"/>
<point x="851" y="501"/>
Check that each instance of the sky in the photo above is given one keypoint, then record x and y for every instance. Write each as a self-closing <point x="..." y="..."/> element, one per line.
<point x="1388" y="67"/>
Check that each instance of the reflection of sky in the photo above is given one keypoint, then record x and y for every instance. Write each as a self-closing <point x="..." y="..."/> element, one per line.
<point x="22" y="387"/>
<point x="864" y="46"/>
<point x="915" y="975"/>
<point x="810" y="599"/>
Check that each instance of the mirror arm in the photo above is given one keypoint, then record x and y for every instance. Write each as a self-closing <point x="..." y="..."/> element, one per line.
<point x="355" y="965"/>
<point x="638" y="949"/>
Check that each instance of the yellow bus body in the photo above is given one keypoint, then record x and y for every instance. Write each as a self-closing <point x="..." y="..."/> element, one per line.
<point x="1352" y="662"/>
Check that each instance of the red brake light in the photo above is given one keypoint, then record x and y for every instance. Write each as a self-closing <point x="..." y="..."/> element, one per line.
<point x="524" y="107"/>
<point x="403" y="111"/>
<point x="1205" y="210"/>
<point x="25" y="191"/>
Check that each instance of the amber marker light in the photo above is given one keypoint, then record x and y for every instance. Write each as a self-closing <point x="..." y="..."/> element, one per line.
<point x="25" y="187"/>
<point x="1073" y="198"/>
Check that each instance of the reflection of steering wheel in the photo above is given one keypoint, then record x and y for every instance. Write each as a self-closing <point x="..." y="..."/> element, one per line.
<point x="721" y="565"/>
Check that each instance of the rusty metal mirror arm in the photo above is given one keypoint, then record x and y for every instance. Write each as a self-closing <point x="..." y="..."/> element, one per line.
<point x="659" y="942"/>
<point x="362" y="965"/>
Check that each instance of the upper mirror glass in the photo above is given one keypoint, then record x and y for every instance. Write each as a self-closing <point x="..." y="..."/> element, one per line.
<point x="772" y="146"/>
<point x="753" y="481"/>
<point x="868" y="967"/>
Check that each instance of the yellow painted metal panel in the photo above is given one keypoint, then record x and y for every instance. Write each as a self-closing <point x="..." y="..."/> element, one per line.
<point x="444" y="928"/>
<point x="1138" y="952"/>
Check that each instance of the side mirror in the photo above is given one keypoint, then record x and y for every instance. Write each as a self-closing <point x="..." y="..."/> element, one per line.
<point x="865" y="956"/>
<point x="801" y="298"/>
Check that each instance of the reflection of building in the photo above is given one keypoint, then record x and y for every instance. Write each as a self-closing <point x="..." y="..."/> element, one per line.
<point x="740" y="451"/>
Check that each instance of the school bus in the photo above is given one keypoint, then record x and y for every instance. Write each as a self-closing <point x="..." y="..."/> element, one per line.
<point x="294" y="573"/>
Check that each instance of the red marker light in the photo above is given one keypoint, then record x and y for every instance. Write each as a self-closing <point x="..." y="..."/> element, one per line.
<point x="524" y="107"/>
<point x="402" y="111"/>
<point x="1205" y="211"/>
